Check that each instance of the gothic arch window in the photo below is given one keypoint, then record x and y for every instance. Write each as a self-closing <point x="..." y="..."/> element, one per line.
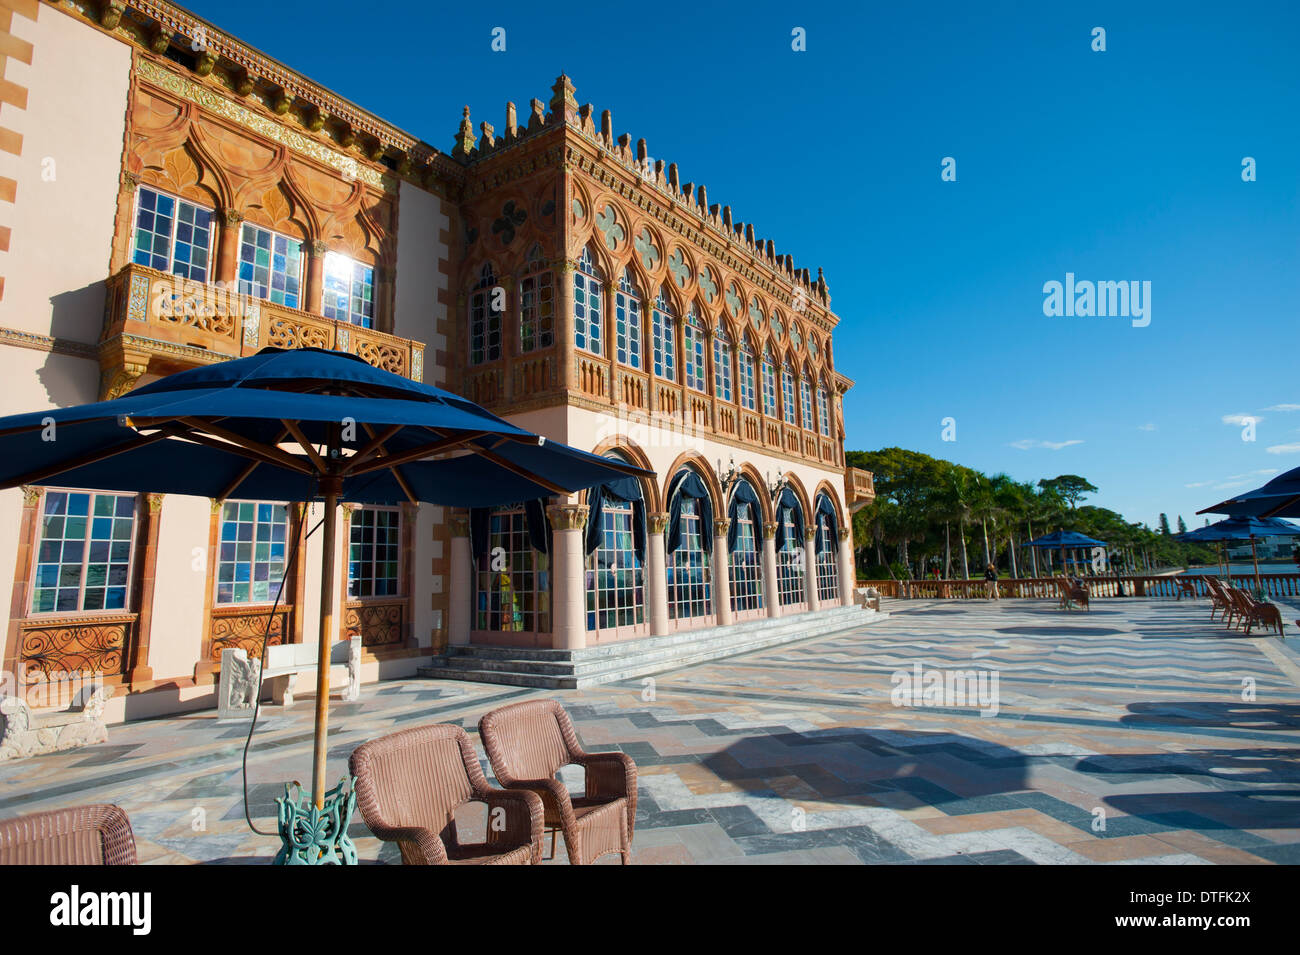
<point x="172" y="235"/>
<point x="769" y="384"/>
<point x="664" y="330"/>
<point x="745" y="545"/>
<point x="824" y="409"/>
<point x="791" y="568"/>
<point x="536" y="304"/>
<point x="690" y="589"/>
<point x="615" y="574"/>
<point x="485" y="318"/>
<point x="627" y="321"/>
<point x="826" y="543"/>
<point x="588" y="292"/>
<point x="805" y="401"/>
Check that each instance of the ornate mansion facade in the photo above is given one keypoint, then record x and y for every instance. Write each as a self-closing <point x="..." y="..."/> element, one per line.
<point x="173" y="197"/>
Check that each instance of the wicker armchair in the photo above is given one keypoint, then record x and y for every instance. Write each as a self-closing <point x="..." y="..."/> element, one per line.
<point x="527" y="743"/>
<point x="1072" y="592"/>
<point x="409" y="785"/>
<point x="84" y="835"/>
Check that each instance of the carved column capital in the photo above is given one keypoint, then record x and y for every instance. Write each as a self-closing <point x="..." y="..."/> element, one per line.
<point x="317" y="247"/>
<point x="810" y="534"/>
<point x="658" y="523"/>
<point x="32" y="495"/>
<point x="844" y="533"/>
<point x="232" y="217"/>
<point x="769" y="530"/>
<point x="721" y="526"/>
<point x="155" y="502"/>
<point x="567" y="517"/>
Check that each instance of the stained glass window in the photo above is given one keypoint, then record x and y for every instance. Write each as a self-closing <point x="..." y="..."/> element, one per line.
<point x="536" y="305"/>
<point x="588" y="288"/>
<point x="769" y="385"/>
<point x="172" y="235"/>
<point x="270" y="266"/>
<point x="823" y="410"/>
<point x="665" y="335"/>
<point x="722" y="365"/>
<point x="805" y="403"/>
<point x="485" y="318"/>
<point x="747" y="392"/>
<point x="251" y="556"/>
<point x="787" y="394"/>
<point x="513" y="581"/>
<point x="373" y="547"/>
<point x="349" y="294"/>
<point x="693" y="356"/>
<point x="83" y="557"/>
<point x="688" y="569"/>
<point x="627" y="321"/>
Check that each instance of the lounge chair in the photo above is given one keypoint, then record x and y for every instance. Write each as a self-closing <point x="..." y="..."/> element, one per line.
<point x="84" y="835"/>
<point x="410" y="784"/>
<point x="527" y="744"/>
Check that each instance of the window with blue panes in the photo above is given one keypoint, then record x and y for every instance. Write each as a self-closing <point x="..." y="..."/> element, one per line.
<point x="791" y="568"/>
<point x="588" y="288"/>
<point x="693" y="358"/>
<point x="251" y="551"/>
<point x="270" y="266"/>
<point x="805" y="403"/>
<point x="769" y="385"/>
<point x="824" y="410"/>
<point x="722" y="365"/>
<point x="349" y="293"/>
<point x="627" y="321"/>
<point x="664" y="329"/>
<point x="172" y="235"/>
<point x="83" y="557"/>
<point x="747" y="393"/>
<point x="787" y="394"/>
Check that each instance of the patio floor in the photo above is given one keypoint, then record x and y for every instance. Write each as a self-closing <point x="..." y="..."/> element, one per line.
<point x="1131" y="715"/>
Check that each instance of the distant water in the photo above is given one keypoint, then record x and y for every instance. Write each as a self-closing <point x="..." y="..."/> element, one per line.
<point x="1238" y="568"/>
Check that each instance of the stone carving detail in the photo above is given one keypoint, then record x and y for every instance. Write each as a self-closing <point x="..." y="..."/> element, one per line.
<point x="756" y="312"/>
<point x="137" y="302"/>
<point x="286" y="333"/>
<point x="241" y="679"/>
<point x="733" y="300"/>
<point x="252" y="324"/>
<point x="567" y="517"/>
<point x="511" y="218"/>
<point x="387" y="357"/>
<point x="417" y="364"/>
<point x="646" y="247"/>
<point x="26" y="734"/>
<point x="607" y="222"/>
<point x="678" y="267"/>
<point x="245" y="630"/>
<point x="707" y="285"/>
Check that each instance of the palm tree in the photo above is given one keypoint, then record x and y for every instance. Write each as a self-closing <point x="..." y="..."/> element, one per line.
<point x="957" y="486"/>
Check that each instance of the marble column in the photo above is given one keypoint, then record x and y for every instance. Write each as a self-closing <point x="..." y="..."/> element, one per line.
<point x="722" y="572"/>
<point x="656" y="583"/>
<point x="848" y="577"/>
<point x="771" y="600"/>
<point x="460" y="582"/>
<point x="568" y="576"/>
<point x="229" y="226"/>
<point x="312" y="300"/>
<point x="810" y="569"/>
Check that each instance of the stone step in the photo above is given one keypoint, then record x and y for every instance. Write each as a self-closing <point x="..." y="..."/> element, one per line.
<point x="632" y="658"/>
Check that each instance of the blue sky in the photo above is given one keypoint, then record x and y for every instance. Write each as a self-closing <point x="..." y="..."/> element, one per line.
<point x="1116" y="165"/>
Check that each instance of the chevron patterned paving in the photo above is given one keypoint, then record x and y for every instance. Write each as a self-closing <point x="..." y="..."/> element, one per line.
<point x="1139" y="732"/>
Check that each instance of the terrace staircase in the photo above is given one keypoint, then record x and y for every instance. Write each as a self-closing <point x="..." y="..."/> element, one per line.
<point x="603" y="663"/>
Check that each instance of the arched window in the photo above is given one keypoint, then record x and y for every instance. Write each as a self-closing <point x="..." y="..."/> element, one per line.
<point x="588" y="289"/>
<point x="722" y="364"/>
<point x="615" y="577"/>
<point x="693" y="363"/>
<point x="689" y="540"/>
<point x="805" y="402"/>
<point x="769" y="385"/>
<point x="747" y="392"/>
<point x="787" y="394"/>
<point x="627" y="321"/>
<point x="791" y="568"/>
<point x="745" y="547"/>
<point x="665" y="337"/>
<point x="827" y="545"/>
<point x="824" y="409"/>
<point x="513" y="579"/>
<point x="485" y="318"/>
<point x="536" y="304"/>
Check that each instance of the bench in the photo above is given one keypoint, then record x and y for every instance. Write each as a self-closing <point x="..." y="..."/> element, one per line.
<point x="241" y="678"/>
<point x="29" y="734"/>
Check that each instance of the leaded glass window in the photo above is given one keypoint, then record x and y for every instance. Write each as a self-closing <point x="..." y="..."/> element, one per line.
<point x="790" y="566"/>
<point x="513" y="581"/>
<point x="665" y="338"/>
<point x="373" y="552"/>
<point x="693" y="355"/>
<point x="828" y="579"/>
<point x="823" y="410"/>
<point x="485" y="307"/>
<point x="747" y="392"/>
<point x="615" y="579"/>
<point x="536" y="306"/>
<point x="787" y="394"/>
<point x="769" y="385"/>
<point x="349" y="293"/>
<point x="270" y="266"/>
<point x="746" y="568"/>
<point x="688" y="569"/>
<point x="805" y="404"/>
<point x="722" y="365"/>
<point x="251" y="555"/>
<point x="172" y="235"/>
<point x="83" y="556"/>
<point x="588" y="288"/>
<point x="627" y="321"/>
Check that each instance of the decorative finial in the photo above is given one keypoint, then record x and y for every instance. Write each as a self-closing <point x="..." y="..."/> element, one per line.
<point x="465" y="138"/>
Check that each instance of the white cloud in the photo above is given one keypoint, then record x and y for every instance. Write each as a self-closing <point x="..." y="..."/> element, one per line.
<point x="1229" y="484"/>
<point x="1146" y="427"/>
<point x="1024" y="444"/>
<point x="1242" y="419"/>
<point x="1283" y="449"/>
<point x="1232" y="480"/>
<point x="1291" y="407"/>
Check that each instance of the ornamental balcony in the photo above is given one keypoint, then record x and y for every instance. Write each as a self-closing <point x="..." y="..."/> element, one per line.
<point x="861" y="487"/>
<point x="156" y="324"/>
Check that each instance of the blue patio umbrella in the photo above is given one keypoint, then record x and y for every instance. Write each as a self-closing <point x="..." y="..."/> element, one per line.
<point x="1280" y="497"/>
<point x="1061" y="539"/>
<point x="1241" y="528"/>
<point x="297" y="425"/>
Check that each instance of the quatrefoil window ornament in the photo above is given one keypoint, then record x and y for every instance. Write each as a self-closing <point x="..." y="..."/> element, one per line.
<point x="707" y="285"/>
<point x="645" y="245"/>
<point x="733" y="300"/>
<point x="511" y="218"/>
<point x="795" y="338"/>
<point x="812" y="346"/>
<point x="607" y="222"/>
<point x="677" y="265"/>
<point x="578" y="211"/>
<point x="756" y="312"/>
<point x="777" y="328"/>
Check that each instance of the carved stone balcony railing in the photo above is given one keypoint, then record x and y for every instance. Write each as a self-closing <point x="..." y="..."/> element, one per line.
<point x="160" y="323"/>
<point x="860" y="487"/>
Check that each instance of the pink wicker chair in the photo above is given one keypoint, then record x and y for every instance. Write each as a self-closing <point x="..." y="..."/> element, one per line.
<point x="409" y="785"/>
<point x="527" y="743"/>
<point x="84" y="835"/>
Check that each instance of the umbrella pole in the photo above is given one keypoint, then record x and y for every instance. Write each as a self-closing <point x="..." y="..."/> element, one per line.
<point x="1254" y="556"/>
<point x="331" y="485"/>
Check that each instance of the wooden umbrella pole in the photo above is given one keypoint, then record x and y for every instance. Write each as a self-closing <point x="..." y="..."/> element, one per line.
<point x="1254" y="556"/>
<point x="332" y="487"/>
